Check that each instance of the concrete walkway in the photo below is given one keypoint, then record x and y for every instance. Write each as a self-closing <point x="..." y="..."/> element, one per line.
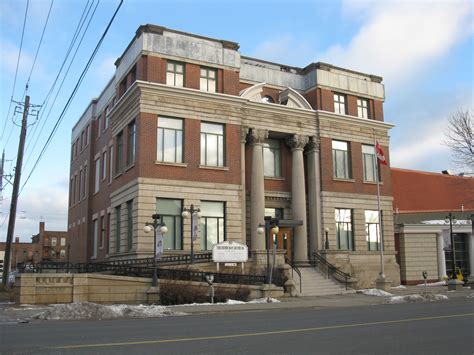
<point x="10" y="312"/>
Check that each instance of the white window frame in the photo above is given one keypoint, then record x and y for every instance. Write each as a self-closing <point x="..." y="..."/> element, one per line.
<point x="338" y="149"/>
<point x="362" y="108"/>
<point x="208" y="79"/>
<point x="97" y="175"/>
<point x="340" y="101"/>
<point x="210" y="130"/>
<point x="368" y="162"/>
<point x="167" y="128"/>
<point x="173" y="76"/>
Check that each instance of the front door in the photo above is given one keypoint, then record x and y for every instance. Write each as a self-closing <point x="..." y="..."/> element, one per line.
<point x="284" y="241"/>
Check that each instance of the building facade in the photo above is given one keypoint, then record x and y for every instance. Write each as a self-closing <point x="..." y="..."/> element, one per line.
<point x="188" y="120"/>
<point x="423" y="203"/>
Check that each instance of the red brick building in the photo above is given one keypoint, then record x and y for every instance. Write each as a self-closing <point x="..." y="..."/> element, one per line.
<point x="187" y="119"/>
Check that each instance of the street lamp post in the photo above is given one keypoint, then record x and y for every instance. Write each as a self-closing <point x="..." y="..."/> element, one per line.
<point x="271" y="225"/>
<point x="157" y="222"/>
<point x="326" y="244"/>
<point x="192" y="212"/>
<point x="450" y="219"/>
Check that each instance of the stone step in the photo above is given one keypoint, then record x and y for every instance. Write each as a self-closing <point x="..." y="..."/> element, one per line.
<point x="315" y="283"/>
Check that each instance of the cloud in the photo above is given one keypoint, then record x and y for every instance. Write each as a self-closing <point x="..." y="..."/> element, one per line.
<point x="397" y="39"/>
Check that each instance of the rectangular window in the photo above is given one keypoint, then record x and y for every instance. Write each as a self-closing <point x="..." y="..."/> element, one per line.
<point x="63" y="242"/>
<point x="104" y="165"/>
<point x="345" y="239"/>
<point x="111" y="165"/>
<point x="274" y="212"/>
<point x="102" y="232"/>
<point x="108" y="233"/>
<point x="95" y="227"/>
<point x="212" y="144"/>
<point x="107" y="111"/>
<point x="88" y="134"/>
<point x="129" y="224"/>
<point x="118" y="216"/>
<point x="62" y="254"/>
<point x="81" y="182"/>
<point x="212" y="224"/>
<point x="208" y="79"/>
<point x="99" y="125"/>
<point x="119" y="158"/>
<point x="340" y="104"/>
<point x="84" y="182"/>
<point x="272" y="158"/>
<point x="175" y="74"/>
<point x="368" y="159"/>
<point x="170" y="212"/>
<point x="132" y="133"/>
<point x="170" y="140"/>
<point x="362" y="108"/>
<point x="341" y="159"/>
<point x="54" y="242"/>
<point x="372" y="230"/>
<point x="97" y="175"/>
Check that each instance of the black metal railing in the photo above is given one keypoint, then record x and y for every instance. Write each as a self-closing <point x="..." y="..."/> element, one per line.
<point x="178" y="259"/>
<point x="331" y="270"/>
<point x="293" y="270"/>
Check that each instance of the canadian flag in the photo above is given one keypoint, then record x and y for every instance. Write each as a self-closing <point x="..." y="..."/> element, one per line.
<point x="380" y="154"/>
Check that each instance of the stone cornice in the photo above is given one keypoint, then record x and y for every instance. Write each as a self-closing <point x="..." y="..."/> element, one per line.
<point x="326" y="115"/>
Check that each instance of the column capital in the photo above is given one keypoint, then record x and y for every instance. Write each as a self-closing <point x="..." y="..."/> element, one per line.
<point x="258" y="136"/>
<point x="313" y="144"/>
<point x="243" y="134"/>
<point x="297" y="141"/>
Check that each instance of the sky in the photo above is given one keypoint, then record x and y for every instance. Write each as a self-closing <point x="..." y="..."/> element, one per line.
<point x="422" y="49"/>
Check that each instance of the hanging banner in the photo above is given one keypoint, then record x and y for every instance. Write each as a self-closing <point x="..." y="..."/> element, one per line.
<point x="195" y="228"/>
<point x="159" y="244"/>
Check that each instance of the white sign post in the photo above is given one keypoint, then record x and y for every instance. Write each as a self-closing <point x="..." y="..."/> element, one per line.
<point x="230" y="252"/>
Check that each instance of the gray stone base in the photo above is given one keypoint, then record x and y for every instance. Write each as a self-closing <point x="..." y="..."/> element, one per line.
<point x="454" y="285"/>
<point x="153" y="295"/>
<point x="383" y="284"/>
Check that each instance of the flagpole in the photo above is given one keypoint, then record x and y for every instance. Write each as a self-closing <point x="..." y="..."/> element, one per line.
<point x="382" y="268"/>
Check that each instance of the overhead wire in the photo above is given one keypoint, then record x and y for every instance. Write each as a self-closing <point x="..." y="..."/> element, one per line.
<point x="68" y="103"/>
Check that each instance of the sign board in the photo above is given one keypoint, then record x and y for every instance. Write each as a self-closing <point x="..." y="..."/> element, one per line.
<point x="230" y="252"/>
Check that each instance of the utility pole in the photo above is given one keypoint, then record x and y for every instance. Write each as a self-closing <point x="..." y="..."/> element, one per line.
<point x="16" y="185"/>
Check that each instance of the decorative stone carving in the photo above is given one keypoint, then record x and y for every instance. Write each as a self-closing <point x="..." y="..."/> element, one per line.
<point x="292" y="98"/>
<point x="313" y="144"/>
<point x="297" y="141"/>
<point x="258" y="136"/>
<point x="253" y="93"/>
<point x="243" y="134"/>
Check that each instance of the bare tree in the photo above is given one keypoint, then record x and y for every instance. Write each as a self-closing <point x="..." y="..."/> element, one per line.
<point x="459" y="137"/>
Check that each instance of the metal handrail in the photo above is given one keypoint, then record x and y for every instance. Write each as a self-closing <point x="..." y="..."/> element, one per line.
<point x="331" y="269"/>
<point x="294" y="268"/>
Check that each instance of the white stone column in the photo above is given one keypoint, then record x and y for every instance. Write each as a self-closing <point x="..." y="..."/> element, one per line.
<point x="243" y="139"/>
<point x="257" y="187"/>
<point x="298" y="197"/>
<point x="314" y="195"/>
<point x="441" y="256"/>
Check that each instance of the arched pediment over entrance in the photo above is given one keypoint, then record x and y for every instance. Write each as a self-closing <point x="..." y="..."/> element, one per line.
<point x="253" y="93"/>
<point x="292" y="98"/>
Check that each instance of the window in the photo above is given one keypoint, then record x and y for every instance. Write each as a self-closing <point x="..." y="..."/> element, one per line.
<point x="268" y="99"/>
<point x="272" y="158"/>
<point x="107" y="111"/>
<point x="95" y="227"/>
<point x="341" y="160"/>
<point x="53" y="253"/>
<point x="132" y="131"/>
<point x="81" y="180"/>
<point x="62" y="254"/>
<point x="129" y="224"/>
<point x="104" y="165"/>
<point x="170" y="212"/>
<point x="119" y="158"/>
<point x="212" y="144"/>
<point x="368" y="159"/>
<point x="372" y="230"/>
<point x="170" y="140"/>
<point x="88" y="134"/>
<point x="102" y="232"/>
<point x="99" y="125"/>
<point x="212" y="224"/>
<point x="84" y="182"/>
<point x="345" y="240"/>
<point x="118" y="213"/>
<point x="111" y="165"/>
<point x="208" y="80"/>
<point x="340" y="104"/>
<point x="274" y="212"/>
<point x="54" y="242"/>
<point x="63" y="242"/>
<point x="175" y="74"/>
<point x="362" y="108"/>
<point x="97" y="175"/>
<point x="108" y="233"/>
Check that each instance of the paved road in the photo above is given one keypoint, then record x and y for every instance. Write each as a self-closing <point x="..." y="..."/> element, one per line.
<point x="444" y="327"/>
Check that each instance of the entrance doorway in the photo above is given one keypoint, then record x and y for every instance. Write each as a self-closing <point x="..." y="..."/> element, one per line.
<point x="284" y="240"/>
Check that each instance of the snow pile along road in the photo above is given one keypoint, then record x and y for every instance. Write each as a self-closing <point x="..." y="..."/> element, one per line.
<point x="416" y="298"/>
<point x="230" y="302"/>
<point x="89" y="310"/>
<point x="374" y="292"/>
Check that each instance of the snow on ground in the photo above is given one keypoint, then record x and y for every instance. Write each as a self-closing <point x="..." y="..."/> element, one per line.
<point x="231" y="302"/>
<point x="89" y="310"/>
<point x="398" y="287"/>
<point x="416" y="298"/>
<point x="438" y="283"/>
<point x="443" y="222"/>
<point x="374" y="292"/>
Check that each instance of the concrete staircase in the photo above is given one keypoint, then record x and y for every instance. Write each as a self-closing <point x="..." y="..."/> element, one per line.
<point x="316" y="284"/>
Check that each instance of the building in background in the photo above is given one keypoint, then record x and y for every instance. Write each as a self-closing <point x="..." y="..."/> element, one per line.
<point x="422" y="201"/>
<point x="187" y="119"/>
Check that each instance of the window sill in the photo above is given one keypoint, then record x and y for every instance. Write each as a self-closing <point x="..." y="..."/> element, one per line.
<point x="343" y="180"/>
<point x="372" y="182"/>
<point x="210" y="167"/>
<point x="179" y="165"/>
<point x="127" y="168"/>
<point x="276" y="178"/>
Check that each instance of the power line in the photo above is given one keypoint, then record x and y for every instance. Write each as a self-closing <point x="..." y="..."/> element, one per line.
<point x="79" y="27"/>
<point x="16" y="71"/>
<point x="68" y="103"/>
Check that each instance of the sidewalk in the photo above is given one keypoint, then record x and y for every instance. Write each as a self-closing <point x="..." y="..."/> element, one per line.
<point x="11" y="313"/>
